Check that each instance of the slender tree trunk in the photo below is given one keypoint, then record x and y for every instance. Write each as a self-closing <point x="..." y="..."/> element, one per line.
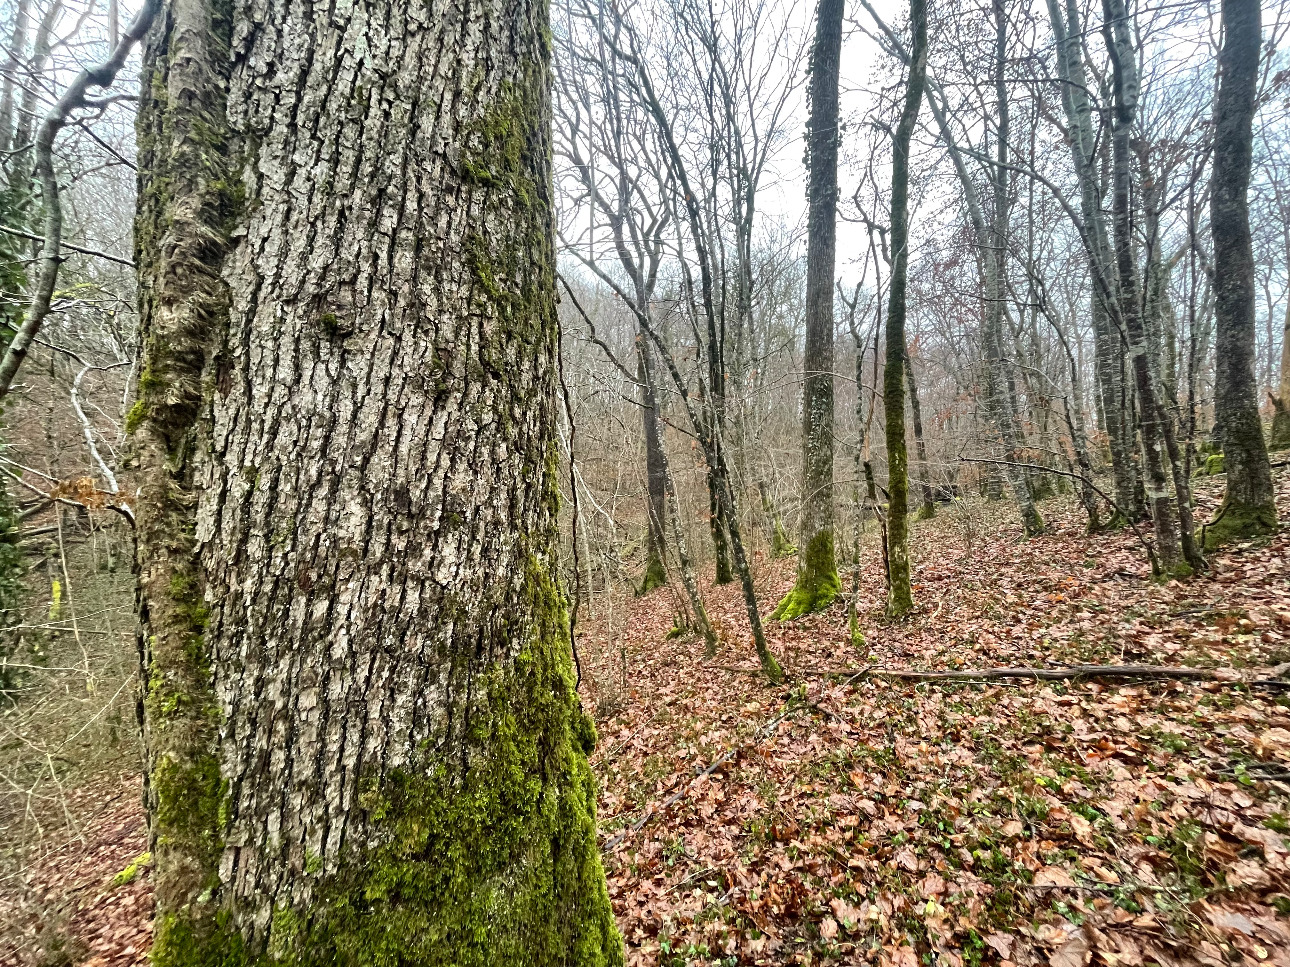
<point x="720" y="543"/>
<point x="364" y="744"/>
<point x="1108" y="344"/>
<point x="780" y="545"/>
<point x="9" y="74"/>
<point x="1157" y="311"/>
<point x="1248" y="507"/>
<point x="1125" y="74"/>
<point x="900" y="600"/>
<point x="928" y="510"/>
<point x="817" y="570"/>
<point x="655" y="472"/>
<point x="684" y="561"/>
<point x="1281" y="402"/>
<point x="1001" y="394"/>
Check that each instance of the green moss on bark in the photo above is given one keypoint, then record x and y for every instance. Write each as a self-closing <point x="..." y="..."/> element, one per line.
<point x="655" y="573"/>
<point x="1235" y="522"/>
<point x="817" y="581"/>
<point x="1280" y="424"/>
<point x="780" y="545"/>
<point x="480" y="861"/>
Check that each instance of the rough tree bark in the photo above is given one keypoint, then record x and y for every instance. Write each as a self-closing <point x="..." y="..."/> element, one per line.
<point x="1248" y="507"/>
<point x="364" y="744"/>
<point x="817" y="569"/>
<point x="900" y="600"/>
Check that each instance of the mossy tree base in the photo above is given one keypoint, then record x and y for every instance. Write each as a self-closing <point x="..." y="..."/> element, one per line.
<point x="1235" y="522"/>
<point x="1280" y="426"/>
<point x="817" y="581"/>
<point x="655" y="576"/>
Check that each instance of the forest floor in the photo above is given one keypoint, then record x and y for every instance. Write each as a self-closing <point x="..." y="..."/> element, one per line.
<point x="859" y="820"/>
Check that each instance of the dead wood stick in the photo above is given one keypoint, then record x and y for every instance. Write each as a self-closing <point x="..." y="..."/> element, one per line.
<point x="1056" y="674"/>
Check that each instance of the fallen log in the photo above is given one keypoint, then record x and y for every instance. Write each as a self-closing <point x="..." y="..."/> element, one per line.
<point x="1056" y="673"/>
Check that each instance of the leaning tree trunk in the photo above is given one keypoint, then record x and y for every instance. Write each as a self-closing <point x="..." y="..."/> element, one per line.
<point x="900" y="599"/>
<point x="363" y="740"/>
<point x="1248" y="508"/>
<point x="817" y="570"/>
<point x="655" y="472"/>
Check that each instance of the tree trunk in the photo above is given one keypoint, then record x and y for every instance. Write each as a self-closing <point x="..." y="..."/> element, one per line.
<point x="928" y="510"/>
<point x="780" y="545"/>
<point x="900" y="600"/>
<point x="720" y="544"/>
<point x="364" y="744"/>
<point x="1281" y="402"/>
<point x="1248" y="508"/>
<point x="1108" y="344"/>
<point x="655" y="472"/>
<point x="1001" y="398"/>
<point x="817" y="570"/>
<point x="9" y="74"/>
<point x="1125" y="74"/>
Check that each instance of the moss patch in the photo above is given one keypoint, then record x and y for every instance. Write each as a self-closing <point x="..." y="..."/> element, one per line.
<point x="1235" y="522"/>
<point x="817" y="581"/>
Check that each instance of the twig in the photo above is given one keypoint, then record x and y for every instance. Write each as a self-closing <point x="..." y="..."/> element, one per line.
<point x="88" y="428"/>
<point x="32" y="236"/>
<point x="51" y="255"/>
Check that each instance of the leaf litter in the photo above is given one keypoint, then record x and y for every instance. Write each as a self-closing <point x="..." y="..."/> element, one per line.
<point x="855" y="820"/>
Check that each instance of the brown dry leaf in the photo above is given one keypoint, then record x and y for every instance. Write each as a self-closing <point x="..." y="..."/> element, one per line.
<point x="933" y="885"/>
<point x="848" y="915"/>
<point x="1230" y="920"/>
<point x="1053" y="876"/>
<point x="1001" y="942"/>
<point x="1073" y="953"/>
<point x="828" y="928"/>
<point x="1274" y="742"/>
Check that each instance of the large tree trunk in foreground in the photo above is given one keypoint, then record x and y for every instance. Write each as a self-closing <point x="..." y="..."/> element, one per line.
<point x="817" y="570"/>
<point x="364" y="744"/>
<point x="900" y="600"/>
<point x="1248" y="508"/>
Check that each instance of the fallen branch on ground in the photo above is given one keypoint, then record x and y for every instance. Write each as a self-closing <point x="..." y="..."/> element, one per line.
<point x="1055" y="674"/>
